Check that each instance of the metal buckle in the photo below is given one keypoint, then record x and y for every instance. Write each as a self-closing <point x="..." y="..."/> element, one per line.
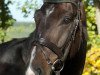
<point x="58" y="65"/>
<point x="41" y="40"/>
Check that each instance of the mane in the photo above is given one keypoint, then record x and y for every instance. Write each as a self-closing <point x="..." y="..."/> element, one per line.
<point x="17" y="41"/>
<point x="11" y="42"/>
<point x="83" y="14"/>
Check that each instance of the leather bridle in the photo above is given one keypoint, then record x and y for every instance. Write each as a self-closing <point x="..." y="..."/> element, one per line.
<point x="58" y="65"/>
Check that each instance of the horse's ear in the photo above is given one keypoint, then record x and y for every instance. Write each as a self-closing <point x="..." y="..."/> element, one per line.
<point x="83" y="20"/>
<point x="83" y="14"/>
<point x="37" y="16"/>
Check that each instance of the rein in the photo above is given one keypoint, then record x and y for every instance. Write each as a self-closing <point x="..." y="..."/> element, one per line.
<point x="58" y="65"/>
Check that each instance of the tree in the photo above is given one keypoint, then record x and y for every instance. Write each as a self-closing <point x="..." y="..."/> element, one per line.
<point x="28" y="6"/>
<point x="6" y="19"/>
<point x="97" y="5"/>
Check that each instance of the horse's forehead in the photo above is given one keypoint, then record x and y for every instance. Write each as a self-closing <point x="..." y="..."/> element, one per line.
<point x="57" y="7"/>
<point x="53" y="8"/>
<point x="49" y="10"/>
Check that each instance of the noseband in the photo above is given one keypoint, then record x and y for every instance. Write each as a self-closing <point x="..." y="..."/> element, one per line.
<point x="58" y="65"/>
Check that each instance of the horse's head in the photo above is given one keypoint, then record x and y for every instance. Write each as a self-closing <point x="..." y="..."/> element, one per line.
<point x="57" y="26"/>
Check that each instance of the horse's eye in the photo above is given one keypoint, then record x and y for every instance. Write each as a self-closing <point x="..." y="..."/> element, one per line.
<point x="67" y="19"/>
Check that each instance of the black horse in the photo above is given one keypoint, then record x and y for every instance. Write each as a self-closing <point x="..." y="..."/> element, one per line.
<point x="14" y="55"/>
<point x="60" y="42"/>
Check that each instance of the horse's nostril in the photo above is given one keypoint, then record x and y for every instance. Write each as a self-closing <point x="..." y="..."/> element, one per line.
<point x="39" y="71"/>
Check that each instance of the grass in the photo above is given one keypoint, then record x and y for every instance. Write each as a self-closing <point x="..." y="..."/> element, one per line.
<point x="19" y="31"/>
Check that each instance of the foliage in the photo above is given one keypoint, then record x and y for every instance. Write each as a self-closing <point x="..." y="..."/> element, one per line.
<point x="97" y="3"/>
<point x="2" y="34"/>
<point x="6" y="19"/>
<point x="93" y="38"/>
<point x="92" y="66"/>
<point x="28" y="6"/>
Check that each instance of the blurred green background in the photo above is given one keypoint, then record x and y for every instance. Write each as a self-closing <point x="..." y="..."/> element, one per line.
<point x="11" y="27"/>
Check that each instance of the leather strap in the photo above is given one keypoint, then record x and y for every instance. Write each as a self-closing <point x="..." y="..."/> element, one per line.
<point x="60" y="1"/>
<point x="51" y="46"/>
